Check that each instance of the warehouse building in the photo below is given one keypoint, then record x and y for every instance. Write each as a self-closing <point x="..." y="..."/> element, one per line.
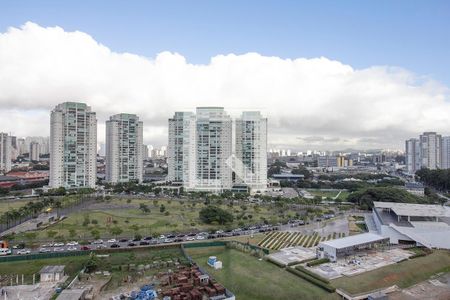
<point x="350" y="245"/>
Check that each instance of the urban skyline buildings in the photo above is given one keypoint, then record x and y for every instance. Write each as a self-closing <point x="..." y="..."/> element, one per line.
<point x="73" y="146"/>
<point x="200" y="151"/>
<point x="124" y="148"/>
<point x="430" y="150"/>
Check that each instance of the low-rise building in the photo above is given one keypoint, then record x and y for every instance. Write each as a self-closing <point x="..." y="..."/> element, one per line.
<point x="52" y="273"/>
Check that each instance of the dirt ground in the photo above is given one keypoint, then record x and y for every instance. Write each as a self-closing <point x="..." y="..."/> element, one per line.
<point x="434" y="289"/>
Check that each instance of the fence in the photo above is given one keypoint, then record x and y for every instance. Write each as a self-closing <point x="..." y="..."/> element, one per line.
<point x="228" y="293"/>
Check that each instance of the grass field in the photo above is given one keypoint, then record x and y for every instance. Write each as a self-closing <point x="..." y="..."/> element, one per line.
<point x="6" y="205"/>
<point x="29" y="267"/>
<point x="329" y="194"/>
<point x="182" y="216"/>
<point x="249" y="278"/>
<point x="403" y="274"/>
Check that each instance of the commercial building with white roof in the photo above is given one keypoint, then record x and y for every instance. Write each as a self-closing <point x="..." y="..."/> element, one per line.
<point x="421" y="224"/>
<point x="395" y="223"/>
<point x="337" y="248"/>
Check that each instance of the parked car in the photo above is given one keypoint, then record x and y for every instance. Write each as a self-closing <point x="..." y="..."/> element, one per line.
<point x="72" y="248"/>
<point x="190" y="238"/>
<point x="112" y="241"/>
<point x="23" y="251"/>
<point x="131" y="244"/>
<point x="58" y="249"/>
<point x="73" y="243"/>
<point x="123" y="240"/>
<point x="19" y="246"/>
<point x="144" y="243"/>
<point x="85" y="248"/>
<point x="44" y="250"/>
<point x="96" y="242"/>
<point x="115" y="246"/>
<point x="148" y="238"/>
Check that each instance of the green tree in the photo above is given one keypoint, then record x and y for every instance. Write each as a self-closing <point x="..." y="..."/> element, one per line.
<point x="144" y="207"/>
<point x="211" y="214"/>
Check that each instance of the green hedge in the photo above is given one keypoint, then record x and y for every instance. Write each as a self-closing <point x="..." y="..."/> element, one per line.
<point x="317" y="262"/>
<point x="312" y="274"/>
<point x="418" y="255"/>
<point x="275" y="262"/>
<point x="313" y="280"/>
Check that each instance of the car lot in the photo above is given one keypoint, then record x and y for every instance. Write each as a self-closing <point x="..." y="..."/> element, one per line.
<point x="145" y="241"/>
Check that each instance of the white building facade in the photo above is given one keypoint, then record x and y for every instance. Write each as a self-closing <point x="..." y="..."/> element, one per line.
<point x="412" y="155"/>
<point x="200" y="149"/>
<point x="73" y="146"/>
<point x="445" y="163"/>
<point x="251" y="150"/>
<point x="35" y="151"/>
<point x="5" y="153"/>
<point x="124" y="148"/>
<point x="430" y="150"/>
<point x="181" y="149"/>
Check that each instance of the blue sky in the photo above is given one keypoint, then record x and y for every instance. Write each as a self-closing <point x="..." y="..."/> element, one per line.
<point x="411" y="34"/>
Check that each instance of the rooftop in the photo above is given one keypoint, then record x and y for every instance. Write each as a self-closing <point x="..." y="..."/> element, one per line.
<point x="417" y="210"/>
<point x="52" y="269"/>
<point x="354" y="240"/>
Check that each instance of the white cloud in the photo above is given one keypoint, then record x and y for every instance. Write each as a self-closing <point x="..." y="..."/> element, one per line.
<point x="373" y="107"/>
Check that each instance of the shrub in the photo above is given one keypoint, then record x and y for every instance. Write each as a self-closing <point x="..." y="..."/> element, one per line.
<point x="312" y="280"/>
<point x="317" y="262"/>
<point x="312" y="274"/>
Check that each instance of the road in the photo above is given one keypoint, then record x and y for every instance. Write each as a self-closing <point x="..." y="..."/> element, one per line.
<point x="144" y="242"/>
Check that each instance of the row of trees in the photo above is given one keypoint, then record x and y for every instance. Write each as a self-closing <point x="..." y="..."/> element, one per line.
<point x="31" y="209"/>
<point x="438" y="179"/>
<point x="365" y="198"/>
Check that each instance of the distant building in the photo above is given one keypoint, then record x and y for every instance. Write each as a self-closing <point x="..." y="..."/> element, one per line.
<point x="412" y="155"/>
<point x="5" y="153"/>
<point x="35" y="151"/>
<point x="415" y="188"/>
<point x="200" y="148"/>
<point x="445" y="164"/>
<point x="430" y="150"/>
<point x="251" y="150"/>
<point x="124" y="159"/>
<point x="73" y="146"/>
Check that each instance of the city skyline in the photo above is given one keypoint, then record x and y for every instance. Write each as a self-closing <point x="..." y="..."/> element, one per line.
<point x="316" y="98"/>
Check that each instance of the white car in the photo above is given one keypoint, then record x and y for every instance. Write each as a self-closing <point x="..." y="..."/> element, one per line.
<point x="112" y="241"/>
<point x="23" y="252"/>
<point x="101" y="246"/>
<point x="190" y="238"/>
<point x="73" y="243"/>
<point x="97" y="242"/>
<point x="200" y="237"/>
<point x="72" y="248"/>
<point x="162" y="236"/>
<point x="58" y="249"/>
<point x="44" y="250"/>
<point x="58" y="245"/>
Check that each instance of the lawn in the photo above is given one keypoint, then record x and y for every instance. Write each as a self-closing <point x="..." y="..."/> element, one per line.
<point x="6" y="205"/>
<point x="250" y="278"/>
<point x="329" y="194"/>
<point x="178" y="216"/>
<point x="29" y="267"/>
<point x="403" y="274"/>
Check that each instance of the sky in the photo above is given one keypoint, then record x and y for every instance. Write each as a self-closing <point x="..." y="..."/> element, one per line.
<point x="327" y="74"/>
